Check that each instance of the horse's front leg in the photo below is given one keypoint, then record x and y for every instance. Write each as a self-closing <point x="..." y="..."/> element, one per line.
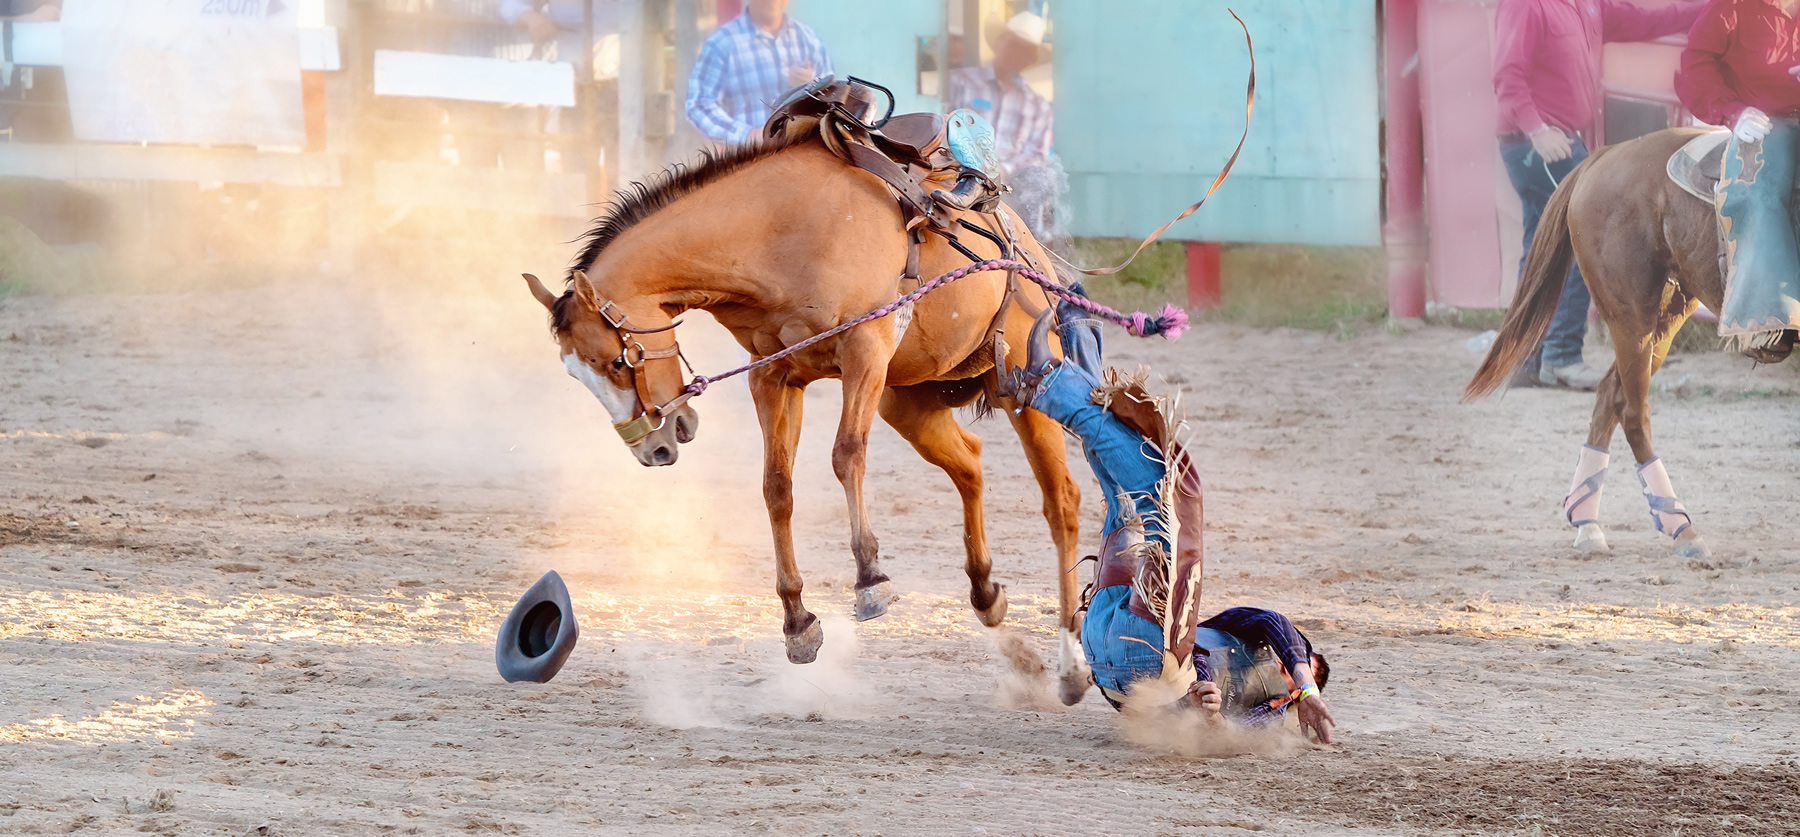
<point x="863" y="363"/>
<point x="778" y="409"/>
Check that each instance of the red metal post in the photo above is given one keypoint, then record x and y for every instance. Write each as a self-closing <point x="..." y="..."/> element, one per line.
<point x="1203" y="288"/>
<point x="312" y="103"/>
<point x="1404" y="232"/>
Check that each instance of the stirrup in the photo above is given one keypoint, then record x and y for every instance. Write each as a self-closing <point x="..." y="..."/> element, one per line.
<point x="1038" y="359"/>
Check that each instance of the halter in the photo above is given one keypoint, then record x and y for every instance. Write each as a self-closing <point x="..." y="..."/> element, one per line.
<point x="632" y="355"/>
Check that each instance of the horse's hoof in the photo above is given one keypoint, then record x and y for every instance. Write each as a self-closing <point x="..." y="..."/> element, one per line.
<point x="996" y="612"/>
<point x="1073" y="685"/>
<point x="1589" y="537"/>
<point x="803" y="647"/>
<point x="1691" y="546"/>
<point x="873" y="600"/>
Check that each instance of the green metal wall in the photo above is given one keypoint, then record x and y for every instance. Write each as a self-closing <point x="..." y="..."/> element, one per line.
<point x="877" y="41"/>
<point x="1150" y="101"/>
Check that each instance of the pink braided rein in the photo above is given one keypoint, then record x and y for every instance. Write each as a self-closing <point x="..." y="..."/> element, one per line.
<point x="1169" y="322"/>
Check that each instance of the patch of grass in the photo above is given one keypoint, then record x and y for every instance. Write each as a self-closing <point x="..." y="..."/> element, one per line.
<point x="1156" y="277"/>
<point x="28" y="265"/>
<point x="1473" y="319"/>
<point x="1320" y="288"/>
<point x="1341" y="289"/>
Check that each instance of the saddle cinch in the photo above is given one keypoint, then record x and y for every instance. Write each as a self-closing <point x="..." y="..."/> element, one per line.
<point x="1695" y="166"/>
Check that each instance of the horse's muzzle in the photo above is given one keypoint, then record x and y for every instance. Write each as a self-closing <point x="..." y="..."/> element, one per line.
<point x="687" y="424"/>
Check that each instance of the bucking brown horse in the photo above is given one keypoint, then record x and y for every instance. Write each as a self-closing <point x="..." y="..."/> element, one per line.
<point x="1649" y="252"/>
<point x="781" y="241"/>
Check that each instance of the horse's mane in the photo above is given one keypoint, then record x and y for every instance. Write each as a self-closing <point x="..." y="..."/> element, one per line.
<point x="641" y="199"/>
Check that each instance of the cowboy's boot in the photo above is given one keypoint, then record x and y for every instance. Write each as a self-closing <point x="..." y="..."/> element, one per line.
<point x="1080" y="332"/>
<point x="968" y="191"/>
<point x="1773" y="349"/>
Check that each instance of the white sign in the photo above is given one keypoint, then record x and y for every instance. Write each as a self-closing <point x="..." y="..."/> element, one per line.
<point x="198" y="72"/>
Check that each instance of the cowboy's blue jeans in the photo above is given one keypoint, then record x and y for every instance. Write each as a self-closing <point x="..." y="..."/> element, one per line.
<point x="1126" y="464"/>
<point x="1535" y="182"/>
<point x="1120" y="645"/>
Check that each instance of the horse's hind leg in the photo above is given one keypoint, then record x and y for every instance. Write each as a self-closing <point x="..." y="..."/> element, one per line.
<point x="778" y="407"/>
<point x="1582" y="505"/>
<point x="1637" y="361"/>
<point x="1643" y="312"/>
<point x="1043" y="442"/>
<point x="864" y="367"/>
<point x="923" y="417"/>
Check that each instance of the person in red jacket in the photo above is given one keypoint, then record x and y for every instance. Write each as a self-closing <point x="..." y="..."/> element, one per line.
<point x="1547" y="78"/>
<point x="1741" y="69"/>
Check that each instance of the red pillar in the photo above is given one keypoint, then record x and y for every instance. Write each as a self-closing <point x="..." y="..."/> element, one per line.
<point x="1203" y="288"/>
<point x="312" y="103"/>
<point x="1404" y="233"/>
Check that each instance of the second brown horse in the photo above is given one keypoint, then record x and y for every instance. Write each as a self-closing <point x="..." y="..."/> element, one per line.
<point x="1650" y="254"/>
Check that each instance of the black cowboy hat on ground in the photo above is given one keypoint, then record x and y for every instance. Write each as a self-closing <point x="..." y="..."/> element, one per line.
<point x="536" y="638"/>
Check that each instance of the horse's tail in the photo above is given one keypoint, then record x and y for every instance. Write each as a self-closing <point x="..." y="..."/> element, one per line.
<point x="1540" y="289"/>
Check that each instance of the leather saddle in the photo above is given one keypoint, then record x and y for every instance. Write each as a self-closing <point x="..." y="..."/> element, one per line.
<point x="1696" y="165"/>
<point x="909" y="152"/>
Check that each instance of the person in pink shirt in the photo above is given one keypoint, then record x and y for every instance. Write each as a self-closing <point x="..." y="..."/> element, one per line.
<point x="1741" y="69"/>
<point x="1547" y="77"/>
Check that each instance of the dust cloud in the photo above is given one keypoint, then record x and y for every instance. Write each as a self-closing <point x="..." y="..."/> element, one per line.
<point x="678" y="687"/>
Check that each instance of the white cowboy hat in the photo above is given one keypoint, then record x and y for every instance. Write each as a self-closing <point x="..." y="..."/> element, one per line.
<point x="1028" y="27"/>
<point x="1025" y="26"/>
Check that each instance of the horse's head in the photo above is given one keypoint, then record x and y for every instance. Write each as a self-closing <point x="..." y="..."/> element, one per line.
<point x="636" y="373"/>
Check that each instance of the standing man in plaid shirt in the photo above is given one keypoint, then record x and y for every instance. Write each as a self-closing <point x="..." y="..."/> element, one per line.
<point x="746" y="66"/>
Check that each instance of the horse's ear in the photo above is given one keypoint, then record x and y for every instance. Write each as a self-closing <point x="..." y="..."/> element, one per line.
<point x="538" y="290"/>
<point x="584" y="290"/>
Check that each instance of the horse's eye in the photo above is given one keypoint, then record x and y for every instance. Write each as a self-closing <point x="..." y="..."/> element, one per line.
<point x="618" y="363"/>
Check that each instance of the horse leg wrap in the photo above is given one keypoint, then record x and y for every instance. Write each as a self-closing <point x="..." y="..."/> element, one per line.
<point x="1582" y="506"/>
<point x="1666" y="511"/>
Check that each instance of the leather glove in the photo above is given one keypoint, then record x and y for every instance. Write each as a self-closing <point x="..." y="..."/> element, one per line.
<point x="1752" y="126"/>
<point x="1551" y="144"/>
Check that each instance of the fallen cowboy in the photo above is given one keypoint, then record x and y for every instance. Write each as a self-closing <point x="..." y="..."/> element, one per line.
<point x="1142" y="612"/>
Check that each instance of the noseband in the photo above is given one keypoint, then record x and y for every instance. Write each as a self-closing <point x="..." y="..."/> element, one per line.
<point x="633" y="355"/>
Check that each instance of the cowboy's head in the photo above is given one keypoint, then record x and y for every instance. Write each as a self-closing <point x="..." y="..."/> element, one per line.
<point x="1019" y="44"/>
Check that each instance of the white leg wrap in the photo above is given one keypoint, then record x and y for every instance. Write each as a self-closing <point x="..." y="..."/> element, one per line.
<point x="1666" y="510"/>
<point x="1582" y="506"/>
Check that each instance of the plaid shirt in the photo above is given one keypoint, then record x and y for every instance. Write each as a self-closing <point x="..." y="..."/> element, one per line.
<point x="1022" y="119"/>
<point x="743" y="70"/>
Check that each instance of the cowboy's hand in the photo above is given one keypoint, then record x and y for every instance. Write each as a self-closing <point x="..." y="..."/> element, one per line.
<point x="799" y="74"/>
<point x="1551" y="144"/>
<point x="1752" y="126"/>
<point x="1205" y="694"/>
<point x="1316" y="716"/>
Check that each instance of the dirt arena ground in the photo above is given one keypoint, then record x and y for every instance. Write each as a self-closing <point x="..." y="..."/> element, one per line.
<point x="254" y="545"/>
